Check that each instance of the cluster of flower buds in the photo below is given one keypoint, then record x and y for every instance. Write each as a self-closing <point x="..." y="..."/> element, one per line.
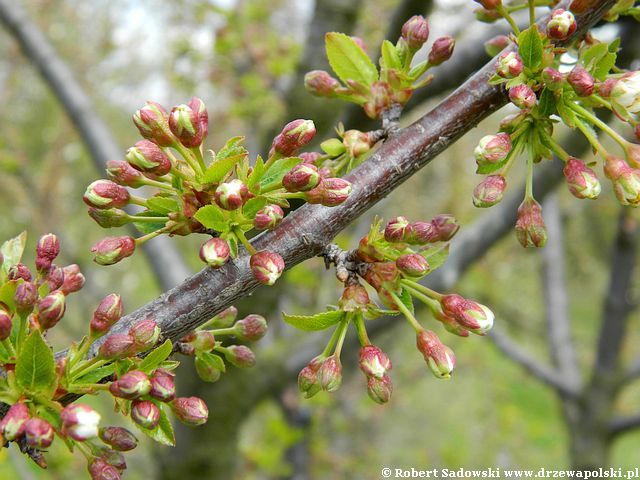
<point x="377" y="91"/>
<point x="210" y="353"/>
<point x="390" y="260"/>
<point x="224" y="197"/>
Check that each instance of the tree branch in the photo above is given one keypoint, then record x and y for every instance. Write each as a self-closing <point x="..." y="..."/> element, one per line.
<point x="620" y="425"/>
<point x="164" y="258"/>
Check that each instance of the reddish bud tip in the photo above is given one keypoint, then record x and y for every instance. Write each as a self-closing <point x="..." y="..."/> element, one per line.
<point x="441" y="50"/>
<point x="190" y="410"/>
<point x="320" y="83"/>
<point x="25" y="297"/>
<point x="294" y="136"/>
<point x="19" y="271"/>
<point x="412" y="265"/>
<point x="581" y="81"/>
<point x="373" y="361"/>
<point x="111" y="250"/>
<point x="552" y="78"/>
<point x="561" y="25"/>
<point x="530" y="228"/>
<point x="106" y="194"/>
<point x="301" y="178"/>
<point x="492" y="149"/>
<point x="153" y="123"/>
<point x="145" y="413"/>
<point x="473" y="316"/>
<point x="13" y="423"/>
<point x="509" y="65"/>
<point x="445" y="227"/>
<point x="380" y="389"/>
<point x="626" y="180"/>
<point x="202" y="340"/>
<point x="215" y="252"/>
<point x="251" y="328"/>
<point x="124" y="174"/>
<point x="398" y="230"/>
<point x="490" y="191"/>
<point x="51" y="309"/>
<point x="581" y="180"/>
<point x="73" y="279"/>
<point x="38" y="432"/>
<point x="47" y="249"/>
<point x="266" y="267"/>
<point x="438" y="356"/>
<point x="330" y="192"/>
<point x="116" y="346"/>
<point x="148" y="157"/>
<point x="118" y="438"/>
<point x="80" y="422"/>
<point x="308" y="382"/>
<point x="108" y="312"/>
<point x="330" y="374"/>
<point x="354" y="298"/>
<point x="163" y="387"/>
<point x="268" y="217"/>
<point x="185" y="124"/>
<point x="522" y="96"/>
<point x="131" y="385"/>
<point x="415" y="32"/>
<point x="100" y="469"/>
<point x="231" y="195"/>
<point x="5" y="324"/>
<point x="240" y="356"/>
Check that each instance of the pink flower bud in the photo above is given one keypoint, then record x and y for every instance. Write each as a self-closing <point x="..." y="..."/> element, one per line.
<point x="489" y="4"/>
<point x="492" y="149"/>
<point x="215" y="252"/>
<point x="438" y="356"/>
<point x="145" y="334"/>
<point x="330" y="374"/>
<point x="509" y="65"/>
<point x="148" y="157"/>
<point x="412" y="265"/>
<point x="106" y="194"/>
<point x="561" y="25"/>
<point x="118" y="438"/>
<point x="5" y="324"/>
<point x="99" y="469"/>
<point x="310" y="157"/>
<point x="73" y="279"/>
<point x="111" y="250"/>
<point x="163" y="387"/>
<point x="530" y="228"/>
<point x="231" y="195"/>
<point x="109" y="217"/>
<point x="330" y="192"/>
<point x="268" y="217"/>
<point x="626" y="181"/>
<point x="116" y="346"/>
<point x="308" y="382"/>
<point x="185" y="125"/>
<point x="145" y="413"/>
<point x="487" y="16"/>
<point x="441" y="50"/>
<point x="25" y="297"/>
<point x="47" y="250"/>
<point x="445" y="227"/>
<point x="301" y="178"/>
<point x="581" y="180"/>
<point x="354" y="298"/>
<point x="626" y="92"/>
<point x="38" y="432"/>
<point x="356" y="142"/>
<point x="108" y="312"/>
<point x="54" y="277"/>
<point x="379" y="389"/>
<point x="13" y="423"/>
<point x="190" y="410"/>
<point x="373" y="361"/>
<point x="473" y="316"/>
<point x="202" y="340"/>
<point x="495" y="45"/>
<point x="80" y="422"/>
<point x="131" y="385"/>
<point x="552" y="78"/>
<point x="398" y="230"/>
<point x="415" y="32"/>
<point x="266" y="267"/>
<point x="19" y="271"/>
<point x="522" y="96"/>
<point x="490" y="191"/>
<point x="294" y="136"/>
<point x="240" y="356"/>
<point x="251" y="328"/>
<point x="124" y="174"/>
<point x="153" y="123"/>
<point x="581" y="81"/>
<point x="320" y="83"/>
<point x="51" y="309"/>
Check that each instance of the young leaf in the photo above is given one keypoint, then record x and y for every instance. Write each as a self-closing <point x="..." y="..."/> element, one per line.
<point x="316" y="322"/>
<point x="390" y="58"/>
<point x="547" y="103"/>
<point x="11" y="251"/>
<point x="568" y="116"/>
<point x="437" y="257"/>
<point x="277" y="171"/>
<point x="163" y="205"/>
<point x="407" y="301"/>
<point x="212" y="217"/>
<point x="530" y="47"/>
<point x="256" y="174"/>
<point x="348" y="60"/>
<point x="96" y="375"/>
<point x="156" y="357"/>
<point x="163" y="432"/>
<point x="218" y="169"/>
<point x="252" y="206"/>
<point x="214" y="360"/>
<point x="35" y="366"/>
<point x="7" y="292"/>
<point x="148" y="227"/>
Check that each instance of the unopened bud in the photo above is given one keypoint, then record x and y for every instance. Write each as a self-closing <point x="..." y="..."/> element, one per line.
<point x="99" y="469"/>
<point x="509" y="65"/>
<point x="308" y="382"/>
<point x="202" y="340"/>
<point x="354" y="298"/>
<point x="225" y="318"/>
<point x="330" y="192"/>
<point x="116" y="346"/>
<point x="5" y="324"/>
<point x="441" y="50"/>
<point x="51" y="309"/>
<point x="13" y="423"/>
<point x="581" y="81"/>
<point x="185" y="125"/>
<point x="490" y="191"/>
<point x="495" y="45"/>
<point x="108" y="312"/>
<point x="163" y="387"/>
<point x="581" y="180"/>
<point x="251" y="328"/>
<point x="25" y="297"/>
<point x="552" y="78"/>
<point x="106" y="194"/>
<point x="522" y="96"/>
<point x="330" y="374"/>
<point x="215" y="252"/>
<point x="530" y="228"/>
<point x="373" y="361"/>
<point x="415" y="32"/>
<point x="73" y="279"/>
<point x="109" y="217"/>
<point x="54" y="277"/>
<point x="38" y="432"/>
<point x="320" y="83"/>
<point x="473" y="316"/>
<point x="80" y="422"/>
<point x="206" y="370"/>
<point x="445" y="227"/>
<point x="231" y="195"/>
<point x="118" y="438"/>
<point x="240" y="356"/>
<point x="266" y="267"/>
<point x="111" y="250"/>
<point x="145" y="413"/>
<point x="356" y="142"/>
<point x="561" y="25"/>
<point x="294" y="136"/>
<point x="379" y="389"/>
<point x="301" y="178"/>
<point x="438" y="356"/>
<point x="398" y="230"/>
<point x="413" y="265"/>
<point x="492" y="149"/>
<point x="310" y="157"/>
<point x="47" y="249"/>
<point x="19" y="271"/>
<point x="153" y="123"/>
<point x="626" y="92"/>
<point x="489" y="4"/>
<point x="145" y="334"/>
<point x="268" y="217"/>
<point x="626" y="180"/>
<point x="148" y="157"/>
<point x="190" y="410"/>
<point x="131" y="385"/>
<point x="380" y="98"/>
<point x="124" y="174"/>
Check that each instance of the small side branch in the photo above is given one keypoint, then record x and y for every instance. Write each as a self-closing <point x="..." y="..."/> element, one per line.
<point x="620" y="425"/>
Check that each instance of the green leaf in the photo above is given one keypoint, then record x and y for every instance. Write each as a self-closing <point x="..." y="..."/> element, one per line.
<point x="312" y="323"/>
<point x="256" y="174"/>
<point x="603" y="67"/>
<point x="547" y="103"/>
<point x="163" y="432"/>
<point x="214" y="360"/>
<point x="333" y="147"/>
<point x="390" y="58"/>
<point x="219" y="169"/>
<point x="253" y="206"/>
<point x="7" y="292"/>
<point x="530" y="47"/>
<point x="96" y="375"/>
<point x="232" y="240"/>
<point x="156" y="357"/>
<point x="163" y="205"/>
<point x="407" y="301"/>
<point x="568" y="116"/>
<point x="12" y="252"/>
<point x="593" y="54"/>
<point x="148" y="227"/>
<point x="348" y="60"/>
<point x="436" y="258"/>
<point x="277" y="171"/>
<point x="211" y="216"/>
<point x="35" y="366"/>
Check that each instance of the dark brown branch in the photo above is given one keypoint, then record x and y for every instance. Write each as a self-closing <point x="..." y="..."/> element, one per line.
<point x="162" y="255"/>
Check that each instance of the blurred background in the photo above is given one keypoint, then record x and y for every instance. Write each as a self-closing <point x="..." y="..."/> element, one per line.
<point x="553" y="387"/>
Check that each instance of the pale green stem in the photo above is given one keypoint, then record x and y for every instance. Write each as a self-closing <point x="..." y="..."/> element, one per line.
<point x="358" y="321"/>
<point x="405" y="311"/>
<point x="599" y="123"/>
<point x="421" y="288"/>
<point x="240" y="234"/>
